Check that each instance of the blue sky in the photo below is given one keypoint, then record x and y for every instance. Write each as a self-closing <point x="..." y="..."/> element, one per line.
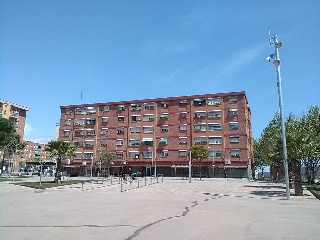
<point x="50" y="51"/>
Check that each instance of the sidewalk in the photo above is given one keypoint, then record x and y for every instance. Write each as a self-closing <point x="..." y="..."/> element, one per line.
<point x="174" y="209"/>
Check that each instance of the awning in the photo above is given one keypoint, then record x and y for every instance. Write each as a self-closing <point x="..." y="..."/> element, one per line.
<point x="164" y="115"/>
<point x="147" y="139"/>
<point x="198" y="99"/>
<point x="163" y="140"/>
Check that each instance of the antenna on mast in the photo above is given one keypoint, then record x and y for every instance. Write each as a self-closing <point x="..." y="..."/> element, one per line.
<point x="270" y="39"/>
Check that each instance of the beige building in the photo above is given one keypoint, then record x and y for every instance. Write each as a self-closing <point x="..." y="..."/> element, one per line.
<point x="16" y="113"/>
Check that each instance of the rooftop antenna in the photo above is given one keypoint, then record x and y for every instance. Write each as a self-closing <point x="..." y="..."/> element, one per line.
<point x="270" y="39"/>
<point x="81" y="97"/>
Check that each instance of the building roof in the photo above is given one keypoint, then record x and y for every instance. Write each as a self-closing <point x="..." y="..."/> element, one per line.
<point x="157" y="99"/>
<point x="15" y="105"/>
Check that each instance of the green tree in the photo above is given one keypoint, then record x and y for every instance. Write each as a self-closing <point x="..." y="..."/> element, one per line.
<point x="259" y="161"/>
<point x="60" y="150"/>
<point x="199" y="153"/>
<point x="10" y="142"/>
<point x="311" y="141"/>
<point x="108" y="158"/>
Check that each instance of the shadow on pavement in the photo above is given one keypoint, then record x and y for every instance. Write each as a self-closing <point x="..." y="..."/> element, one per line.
<point x="265" y="186"/>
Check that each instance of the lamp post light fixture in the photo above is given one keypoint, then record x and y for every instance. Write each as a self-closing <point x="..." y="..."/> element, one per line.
<point x="274" y="41"/>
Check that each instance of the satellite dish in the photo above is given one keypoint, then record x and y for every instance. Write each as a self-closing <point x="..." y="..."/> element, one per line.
<point x="278" y="44"/>
<point x="276" y="63"/>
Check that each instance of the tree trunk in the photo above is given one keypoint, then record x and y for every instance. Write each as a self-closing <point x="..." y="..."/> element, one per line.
<point x="298" y="191"/>
<point x="200" y="172"/>
<point x="57" y="178"/>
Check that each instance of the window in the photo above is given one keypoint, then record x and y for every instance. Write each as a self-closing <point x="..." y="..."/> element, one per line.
<point x="149" y="106"/>
<point x="183" y="115"/>
<point x="135" y="130"/>
<point x="134" y="154"/>
<point x="121" y="119"/>
<point x="182" y="140"/>
<point x="164" y="140"/>
<point x="146" y="154"/>
<point x="199" y="102"/>
<point x="183" y="103"/>
<point x="120" y="130"/>
<point x="89" y="144"/>
<point x="183" y="127"/>
<point x="164" y="115"/>
<point x="183" y="153"/>
<point x="135" y="118"/>
<point x="80" y="122"/>
<point x="216" y="153"/>
<point x="135" y="107"/>
<point x="164" y="128"/>
<point x="77" y="155"/>
<point x="214" y="126"/>
<point x="105" y="108"/>
<point x="91" y="110"/>
<point x="200" y="114"/>
<point x="68" y="111"/>
<point x="147" y="141"/>
<point x="78" y="133"/>
<point x="78" y="144"/>
<point x="164" y="104"/>
<point x="148" y="117"/>
<point x="233" y="112"/>
<point x="66" y="133"/>
<point x="104" y="131"/>
<point x="134" y="142"/>
<point x="164" y="153"/>
<point x="119" y="155"/>
<point x="235" y="153"/>
<point x="200" y="127"/>
<point x="119" y="142"/>
<point x="105" y="119"/>
<point x="233" y="99"/>
<point x="200" y="140"/>
<point x="67" y="122"/>
<point x="233" y="125"/>
<point x="88" y="155"/>
<point x="215" y="140"/>
<point x="234" y="139"/>
<point x="147" y="129"/>
<point x="90" y="132"/>
<point x="214" y="114"/>
<point x="90" y="121"/>
<point x="103" y="142"/>
<point x="121" y="107"/>
<point x="81" y="111"/>
<point x="214" y="101"/>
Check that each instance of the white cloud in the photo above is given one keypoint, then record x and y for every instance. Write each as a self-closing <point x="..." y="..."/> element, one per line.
<point x="222" y="70"/>
<point x="28" y="129"/>
<point x="40" y="140"/>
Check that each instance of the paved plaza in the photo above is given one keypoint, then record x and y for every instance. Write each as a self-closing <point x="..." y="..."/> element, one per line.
<point x="172" y="209"/>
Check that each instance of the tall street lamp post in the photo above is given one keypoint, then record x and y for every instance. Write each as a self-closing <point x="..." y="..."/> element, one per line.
<point x="274" y="41"/>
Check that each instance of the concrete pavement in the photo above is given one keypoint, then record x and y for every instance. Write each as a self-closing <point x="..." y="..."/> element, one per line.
<point x="173" y="209"/>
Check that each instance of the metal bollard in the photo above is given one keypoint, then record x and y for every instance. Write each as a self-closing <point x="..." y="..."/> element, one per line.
<point x="111" y="180"/>
<point x="145" y="181"/>
<point x="138" y="182"/>
<point x="130" y="183"/>
<point x="162" y="179"/>
<point x="121" y="183"/>
<point x="157" y="179"/>
<point x="82" y="182"/>
<point x="151" y="180"/>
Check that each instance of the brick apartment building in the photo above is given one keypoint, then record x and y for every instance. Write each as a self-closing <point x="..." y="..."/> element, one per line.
<point x="149" y="132"/>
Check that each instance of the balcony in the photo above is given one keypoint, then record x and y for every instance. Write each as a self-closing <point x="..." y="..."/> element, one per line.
<point x="14" y="114"/>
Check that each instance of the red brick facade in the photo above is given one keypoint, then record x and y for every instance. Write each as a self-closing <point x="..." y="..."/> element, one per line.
<point x="106" y="127"/>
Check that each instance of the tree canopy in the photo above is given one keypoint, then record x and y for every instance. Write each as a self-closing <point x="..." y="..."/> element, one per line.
<point x="59" y="149"/>
<point x="302" y="141"/>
